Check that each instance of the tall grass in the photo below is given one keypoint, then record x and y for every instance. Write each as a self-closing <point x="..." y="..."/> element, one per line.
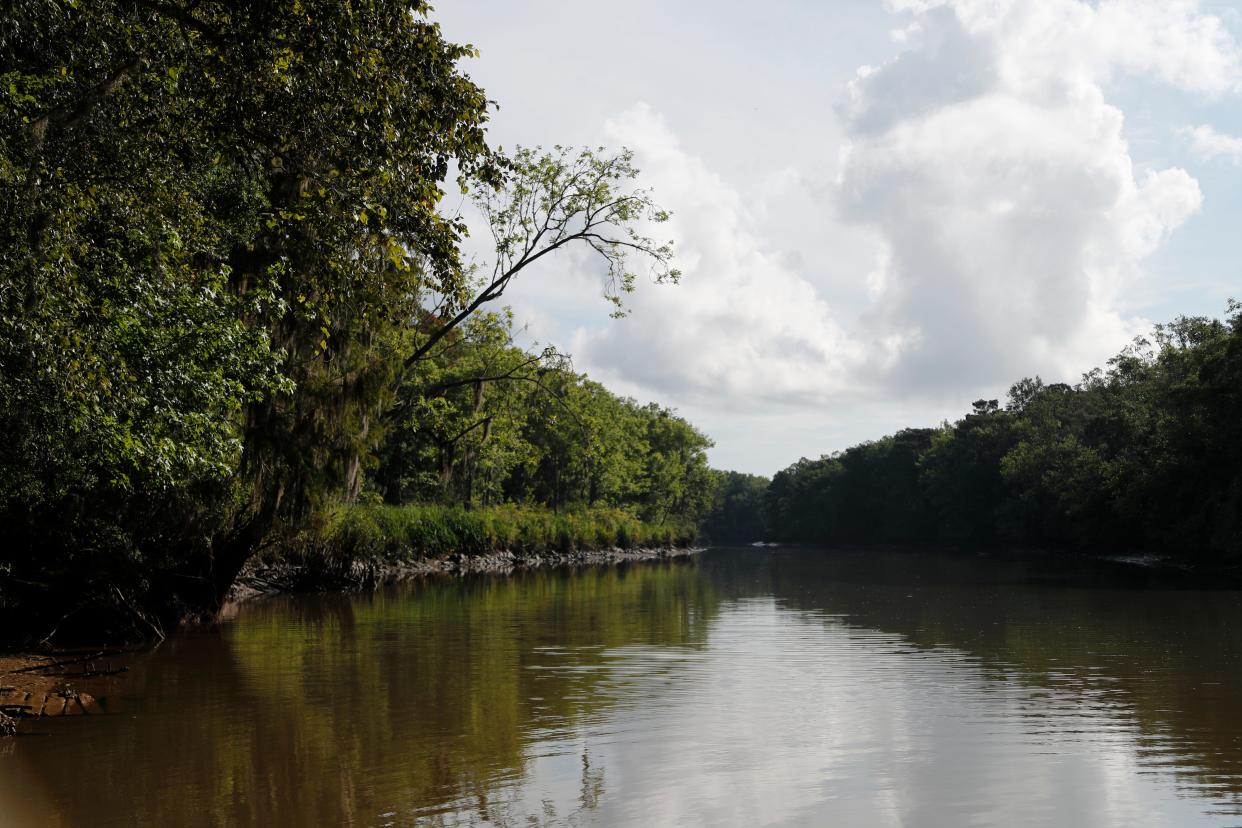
<point x="397" y="533"/>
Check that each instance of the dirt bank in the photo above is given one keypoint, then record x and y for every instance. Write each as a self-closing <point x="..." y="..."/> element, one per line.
<point x="65" y="684"/>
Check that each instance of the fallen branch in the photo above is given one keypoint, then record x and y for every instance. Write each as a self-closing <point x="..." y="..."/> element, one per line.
<point x="86" y="674"/>
<point x="53" y="664"/>
<point x="140" y="615"/>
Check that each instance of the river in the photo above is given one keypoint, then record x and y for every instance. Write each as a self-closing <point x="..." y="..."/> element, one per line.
<point x="742" y="687"/>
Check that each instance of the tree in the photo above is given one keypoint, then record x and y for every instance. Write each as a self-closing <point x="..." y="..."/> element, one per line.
<point x="1143" y="455"/>
<point x="219" y="220"/>
<point x="548" y="202"/>
<point x="737" y="514"/>
<point x="224" y="254"/>
<point x="457" y="430"/>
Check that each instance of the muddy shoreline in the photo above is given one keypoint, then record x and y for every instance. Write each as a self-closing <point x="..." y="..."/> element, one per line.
<point x="69" y="683"/>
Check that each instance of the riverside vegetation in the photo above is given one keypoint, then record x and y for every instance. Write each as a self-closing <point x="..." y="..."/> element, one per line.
<point x="236" y="319"/>
<point x="235" y="311"/>
<point x="1143" y="457"/>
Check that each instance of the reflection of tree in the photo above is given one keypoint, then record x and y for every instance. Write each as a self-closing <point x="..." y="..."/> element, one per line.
<point x="335" y="710"/>
<point x="592" y="784"/>
<point x="1165" y="659"/>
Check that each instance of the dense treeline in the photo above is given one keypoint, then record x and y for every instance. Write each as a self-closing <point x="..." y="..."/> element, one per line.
<point x="485" y="422"/>
<point x="227" y="286"/>
<point x="737" y="511"/>
<point x="1142" y="456"/>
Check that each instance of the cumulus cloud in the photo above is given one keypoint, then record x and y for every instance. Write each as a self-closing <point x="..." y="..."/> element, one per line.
<point x="870" y="248"/>
<point x="744" y="324"/>
<point x="1004" y="191"/>
<point x="1209" y="143"/>
<point x="1054" y="43"/>
<point x="996" y="176"/>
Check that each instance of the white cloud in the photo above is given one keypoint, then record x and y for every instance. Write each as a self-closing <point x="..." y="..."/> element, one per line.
<point x="1208" y="143"/>
<point x="969" y="212"/>
<point x="1053" y="43"/>
<point x="1005" y="190"/>
<point x="743" y="324"/>
<point x="1171" y="39"/>
<point x="1003" y="193"/>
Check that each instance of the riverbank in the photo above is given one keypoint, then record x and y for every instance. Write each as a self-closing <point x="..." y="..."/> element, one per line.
<point x="1135" y="570"/>
<point x="431" y="530"/>
<point x="64" y="684"/>
<point x="363" y="546"/>
<point x="269" y="576"/>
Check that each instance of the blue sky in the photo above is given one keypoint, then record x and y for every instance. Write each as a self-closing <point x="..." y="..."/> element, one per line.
<point x="884" y="210"/>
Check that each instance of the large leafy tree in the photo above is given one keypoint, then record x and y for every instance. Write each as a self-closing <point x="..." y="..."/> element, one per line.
<point x="225" y="265"/>
<point x="456" y="433"/>
<point x="219" y="221"/>
<point x="737" y="514"/>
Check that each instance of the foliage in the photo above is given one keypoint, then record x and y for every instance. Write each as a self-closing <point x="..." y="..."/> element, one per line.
<point x="548" y="201"/>
<point x="485" y="422"/>
<point x="220" y="219"/>
<point x="1144" y="456"/>
<point x="737" y="513"/>
<point x="222" y="254"/>
<point x="870" y="492"/>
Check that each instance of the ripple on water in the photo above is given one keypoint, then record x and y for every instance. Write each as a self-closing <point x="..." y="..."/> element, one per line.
<point x="808" y="688"/>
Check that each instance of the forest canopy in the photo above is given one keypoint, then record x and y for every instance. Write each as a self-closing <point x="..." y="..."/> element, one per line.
<point x="231" y="297"/>
<point x="1142" y="456"/>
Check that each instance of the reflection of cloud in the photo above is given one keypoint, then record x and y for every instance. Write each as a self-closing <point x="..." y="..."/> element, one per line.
<point x="797" y="718"/>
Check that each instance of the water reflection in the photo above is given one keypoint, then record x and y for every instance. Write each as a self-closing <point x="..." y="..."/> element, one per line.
<point x="1166" y="661"/>
<point x="748" y="688"/>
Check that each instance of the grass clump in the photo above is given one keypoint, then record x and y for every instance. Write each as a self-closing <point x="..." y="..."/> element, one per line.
<point x="395" y="533"/>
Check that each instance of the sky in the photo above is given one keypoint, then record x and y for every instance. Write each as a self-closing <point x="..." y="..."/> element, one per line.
<point x="883" y="209"/>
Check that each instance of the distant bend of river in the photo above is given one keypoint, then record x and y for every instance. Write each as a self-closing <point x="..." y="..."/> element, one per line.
<point x="743" y="687"/>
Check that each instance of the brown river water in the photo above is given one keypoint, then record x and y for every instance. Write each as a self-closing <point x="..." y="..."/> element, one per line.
<point x="741" y="687"/>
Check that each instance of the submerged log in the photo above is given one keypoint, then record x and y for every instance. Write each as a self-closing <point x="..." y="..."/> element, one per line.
<point x="93" y="673"/>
